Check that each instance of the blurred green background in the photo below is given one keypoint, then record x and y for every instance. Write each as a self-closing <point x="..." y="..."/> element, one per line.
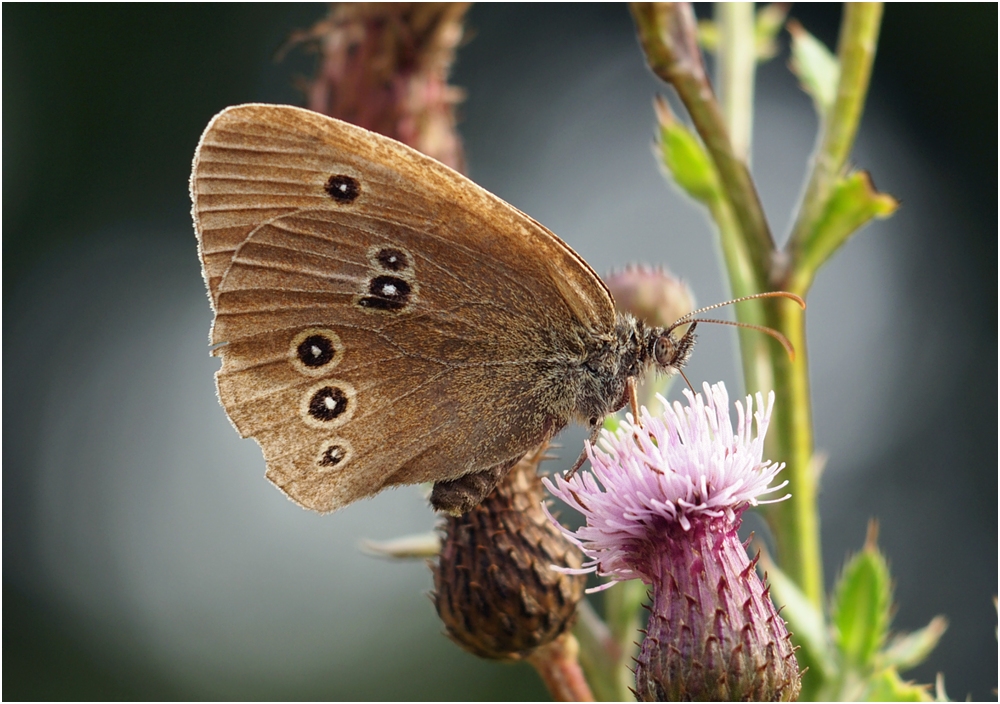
<point x="144" y="554"/>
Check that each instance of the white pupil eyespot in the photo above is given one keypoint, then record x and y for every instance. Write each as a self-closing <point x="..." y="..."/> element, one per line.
<point x="330" y="403"/>
<point x="343" y="188"/>
<point x="389" y="290"/>
<point x="316" y="351"/>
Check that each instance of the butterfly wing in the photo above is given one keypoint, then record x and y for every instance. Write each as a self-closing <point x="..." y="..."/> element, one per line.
<point x="381" y="319"/>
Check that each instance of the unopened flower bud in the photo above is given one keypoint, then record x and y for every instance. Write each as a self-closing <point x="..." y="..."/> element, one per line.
<point x="653" y="295"/>
<point x="494" y="586"/>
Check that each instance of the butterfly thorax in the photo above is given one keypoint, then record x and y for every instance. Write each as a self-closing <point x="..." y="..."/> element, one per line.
<point x="610" y="363"/>
<point x="628" y="353"/>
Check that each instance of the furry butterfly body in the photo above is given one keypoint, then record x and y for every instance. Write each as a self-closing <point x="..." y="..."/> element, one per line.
<point x="382" y="320"/>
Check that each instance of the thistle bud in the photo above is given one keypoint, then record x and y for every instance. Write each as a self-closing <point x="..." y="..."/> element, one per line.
<point x="495" y="589"/>
<point x="650" y="294"/>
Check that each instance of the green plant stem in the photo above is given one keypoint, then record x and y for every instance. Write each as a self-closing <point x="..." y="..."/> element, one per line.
<point x="600" y="655"/>
<point x="559" y="668"/>
<point x="668" y="35"/>
<point x="794" y="522"/>
<point x="736" y="62"/>
<point x="855" y="53"/>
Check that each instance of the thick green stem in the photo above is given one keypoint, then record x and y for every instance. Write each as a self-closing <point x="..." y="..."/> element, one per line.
<point x="736" y="61"/>
<point x="795" y="522"/>
<point x="855" y="53"/>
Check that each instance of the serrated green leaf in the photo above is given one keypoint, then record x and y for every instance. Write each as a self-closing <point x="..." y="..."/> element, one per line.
<point x="908" y="650"/>
<point x="887" y="686"/>
<point x="852" y="203"/>
<point x="805" y="621"/>
<point x="685" y="158"/>
<point x="861" y="606"/>
<point x="816" y="67"/>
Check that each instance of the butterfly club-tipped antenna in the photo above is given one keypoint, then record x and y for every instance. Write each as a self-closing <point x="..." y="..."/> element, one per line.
<point x="678" y="350"/>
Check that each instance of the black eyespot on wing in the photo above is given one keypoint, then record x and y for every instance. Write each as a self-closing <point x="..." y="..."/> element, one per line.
<point x="343" y="188"/>
<point x="386" y="293"/>
<point x="327" y="403"/>
<point x="332" y="456"/>
<point x="316" y="350"/>
<point x="392" y="259"/>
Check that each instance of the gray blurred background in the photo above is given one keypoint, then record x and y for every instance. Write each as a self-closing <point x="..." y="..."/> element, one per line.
<point x="144" y="554"/>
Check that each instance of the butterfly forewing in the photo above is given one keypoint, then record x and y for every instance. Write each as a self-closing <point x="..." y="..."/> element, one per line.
<point x="381" y="319"/>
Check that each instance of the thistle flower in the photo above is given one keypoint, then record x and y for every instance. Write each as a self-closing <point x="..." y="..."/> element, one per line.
<point x="663" y="504"/>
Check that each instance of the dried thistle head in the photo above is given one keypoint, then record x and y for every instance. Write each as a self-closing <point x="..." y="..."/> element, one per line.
<point x="384" y="66"/>
<point x="494" y="586"/>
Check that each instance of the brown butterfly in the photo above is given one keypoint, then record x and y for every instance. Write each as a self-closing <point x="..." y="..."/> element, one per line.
<point x="382" y="320"/>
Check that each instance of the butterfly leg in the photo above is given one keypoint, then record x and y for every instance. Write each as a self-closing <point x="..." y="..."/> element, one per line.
<point x="458" y="496"/>
<point x="633" y="398"/>
<point x="595" y="431"/>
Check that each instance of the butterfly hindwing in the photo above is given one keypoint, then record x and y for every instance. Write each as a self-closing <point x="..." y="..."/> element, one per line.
<point x="381" y="319"/>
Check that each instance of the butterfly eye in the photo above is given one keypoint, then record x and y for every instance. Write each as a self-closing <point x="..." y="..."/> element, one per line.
<point x="343" y="188"/>
<point x="333" y="453"/>
<point x="328" y="404"/>
<point x="316" y="350"/>
<point x="664" y="350"/>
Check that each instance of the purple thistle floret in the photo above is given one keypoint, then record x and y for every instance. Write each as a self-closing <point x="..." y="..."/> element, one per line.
<point x="663" y="504"/>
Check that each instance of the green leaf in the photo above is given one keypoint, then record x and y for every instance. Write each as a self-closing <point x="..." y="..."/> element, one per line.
<point x="611" y="423"/>
<point x="887" y="686"/>
<point x="708" y="35"/>
<point x="862" y="601"/>
<point x="853" y="202"/>
<point x="816" y="67"/>
<point x="769" y="22"/>
<point x="804" y="620"/>
<point x="908" y="650"/>
<point x="685" y="158"/>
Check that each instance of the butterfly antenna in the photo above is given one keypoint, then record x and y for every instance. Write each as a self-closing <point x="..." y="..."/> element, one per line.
<point x="766" y="294"/>
<point x="690" y="318"/>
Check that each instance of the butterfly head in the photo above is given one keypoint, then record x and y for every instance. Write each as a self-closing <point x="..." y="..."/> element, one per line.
<point x="670" y="350"/>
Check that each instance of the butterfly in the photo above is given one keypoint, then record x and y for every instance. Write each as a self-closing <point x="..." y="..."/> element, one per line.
<point x="382" y="320"/>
